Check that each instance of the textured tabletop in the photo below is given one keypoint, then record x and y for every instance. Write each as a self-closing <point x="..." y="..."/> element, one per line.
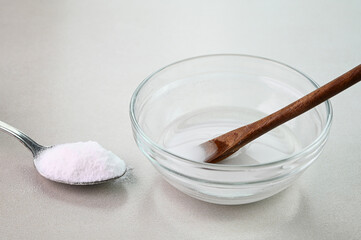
<point x="69" y="68"/>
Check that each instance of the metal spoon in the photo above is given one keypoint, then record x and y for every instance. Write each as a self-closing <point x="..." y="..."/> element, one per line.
<point x="36" y="149"/>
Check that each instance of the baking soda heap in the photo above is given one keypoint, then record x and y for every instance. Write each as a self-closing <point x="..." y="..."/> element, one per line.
<point x="79" y="163"/>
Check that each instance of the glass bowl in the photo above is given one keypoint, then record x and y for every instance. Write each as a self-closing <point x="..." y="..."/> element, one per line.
<point x="194" y="100"/>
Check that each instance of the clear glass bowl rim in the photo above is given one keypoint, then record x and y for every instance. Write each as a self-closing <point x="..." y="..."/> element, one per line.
<point x="213" y="166"/>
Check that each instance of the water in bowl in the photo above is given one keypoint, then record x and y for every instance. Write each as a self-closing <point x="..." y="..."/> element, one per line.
<point x="184" y="133"/>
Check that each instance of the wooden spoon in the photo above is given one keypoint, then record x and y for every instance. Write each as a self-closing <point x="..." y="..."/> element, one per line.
<point x="225" y="145"/>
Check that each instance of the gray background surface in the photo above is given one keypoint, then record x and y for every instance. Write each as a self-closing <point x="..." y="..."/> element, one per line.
<point x="67" y="72"/>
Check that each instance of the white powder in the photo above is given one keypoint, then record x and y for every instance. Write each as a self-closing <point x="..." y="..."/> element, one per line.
<point x="80" y="162"/>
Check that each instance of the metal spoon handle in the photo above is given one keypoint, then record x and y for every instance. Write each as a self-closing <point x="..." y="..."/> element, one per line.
<point x="34" y="147"/>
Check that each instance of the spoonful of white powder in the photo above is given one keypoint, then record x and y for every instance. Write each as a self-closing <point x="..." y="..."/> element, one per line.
<point x="82" y="163"/>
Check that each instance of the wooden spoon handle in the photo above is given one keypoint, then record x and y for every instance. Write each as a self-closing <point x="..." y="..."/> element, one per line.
<point x="226" y="144"/>
<point x="306" y="103"/>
